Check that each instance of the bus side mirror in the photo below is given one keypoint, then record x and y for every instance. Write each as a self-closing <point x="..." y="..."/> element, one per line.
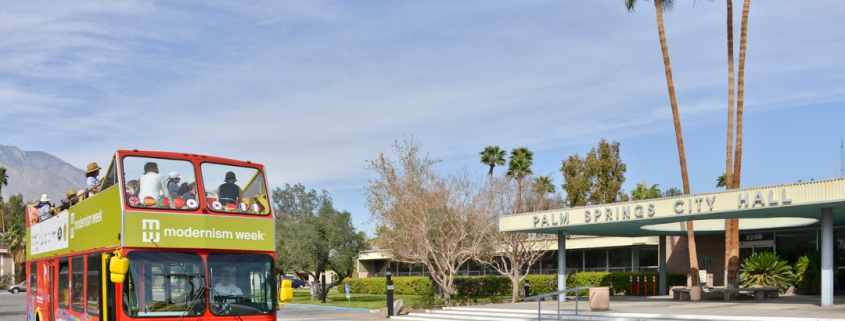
<point x="285" y="292"/>
<point x="119" y="266"/>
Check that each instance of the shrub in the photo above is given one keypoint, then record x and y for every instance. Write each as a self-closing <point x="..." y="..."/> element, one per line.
<point x="765" y="268"/>
<point x="808" y="276"/>
<point x="401" y="285"/>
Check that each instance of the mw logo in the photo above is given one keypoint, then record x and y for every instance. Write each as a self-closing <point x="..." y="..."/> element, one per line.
<point x="150" y="231"/>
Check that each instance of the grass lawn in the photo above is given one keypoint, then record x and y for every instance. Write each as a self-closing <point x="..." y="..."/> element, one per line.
<point x="362" y="301"/>
<point x="372" y="301"/>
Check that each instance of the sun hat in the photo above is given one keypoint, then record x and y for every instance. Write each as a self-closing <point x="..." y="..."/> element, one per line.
<point x="192" y="181"/>
<point x="70" y="193"/>
<point x="92" y="168"/>
<point x="175" y="175"/>
<point x="80" y="193"/>
<point x="44" y="198"/>
<point x="231" y="175"/>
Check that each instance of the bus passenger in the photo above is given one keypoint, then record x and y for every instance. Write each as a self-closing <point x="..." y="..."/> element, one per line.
<point x="173" y="184"/>
<point x="229" y="192"/>
<point x="191" y="190"/>
<point x="132" y="187"/>
<point x="92" y="182"/>
<point x="151" y="183"/>
<point x="44" y="208"/>
<point x="70" y="200"/>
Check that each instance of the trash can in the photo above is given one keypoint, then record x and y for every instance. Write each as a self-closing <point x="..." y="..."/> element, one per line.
<point x="600" y="298"/>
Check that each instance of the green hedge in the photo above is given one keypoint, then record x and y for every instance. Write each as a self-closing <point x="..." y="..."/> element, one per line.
<point x="401" y="285"/>
<point x="545" y="283"/>
<point x="492" y="285"/>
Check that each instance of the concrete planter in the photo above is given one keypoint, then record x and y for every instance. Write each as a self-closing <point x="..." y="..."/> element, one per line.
<point x="695" y="293"/>
<point x="600" y="298"/>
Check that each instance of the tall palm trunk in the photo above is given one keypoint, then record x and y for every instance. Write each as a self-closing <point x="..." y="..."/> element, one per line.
<point x="732" y="248"/>
<point x="731" y="225"/>
<point x="693" y="255"/>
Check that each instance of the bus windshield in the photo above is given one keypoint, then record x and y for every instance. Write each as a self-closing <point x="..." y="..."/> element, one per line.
<point x="241" y="284"/>
<point x="164" y="284"/>
<point x="234" y="189"/>
<point x="160" y="183"/>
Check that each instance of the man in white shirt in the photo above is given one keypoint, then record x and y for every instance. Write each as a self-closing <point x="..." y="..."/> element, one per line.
<point x="224" y="287"/>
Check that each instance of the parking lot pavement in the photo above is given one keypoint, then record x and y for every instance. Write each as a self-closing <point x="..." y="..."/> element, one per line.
<point x="12" y="306"/>
<point x="317" y="314"/>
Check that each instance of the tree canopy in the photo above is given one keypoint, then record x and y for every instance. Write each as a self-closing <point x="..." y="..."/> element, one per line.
<point x="596" y="178"/>
<point x="312" y="236"/>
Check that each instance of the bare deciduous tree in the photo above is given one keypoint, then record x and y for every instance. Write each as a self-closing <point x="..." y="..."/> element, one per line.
<point x="424" y="217"/>
<point x="512" y="254"/>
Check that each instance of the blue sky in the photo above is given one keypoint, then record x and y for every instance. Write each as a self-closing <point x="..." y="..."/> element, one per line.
<point x="312" y="89"/>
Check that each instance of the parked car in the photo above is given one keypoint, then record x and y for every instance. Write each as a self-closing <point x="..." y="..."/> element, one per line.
<point x="297" y="284"/>
<point x="20" y="287"/>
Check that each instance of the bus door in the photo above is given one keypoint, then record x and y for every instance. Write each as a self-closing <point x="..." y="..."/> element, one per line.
<point x="52" y="291"/>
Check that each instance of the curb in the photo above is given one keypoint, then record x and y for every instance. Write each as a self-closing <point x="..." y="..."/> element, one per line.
<point x="300" y="305"/>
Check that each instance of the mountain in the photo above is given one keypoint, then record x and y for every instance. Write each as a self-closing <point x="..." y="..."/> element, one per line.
<point x="32" y="173"/>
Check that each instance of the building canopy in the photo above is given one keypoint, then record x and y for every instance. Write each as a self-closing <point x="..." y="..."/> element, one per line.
<point x="762" y="208"/>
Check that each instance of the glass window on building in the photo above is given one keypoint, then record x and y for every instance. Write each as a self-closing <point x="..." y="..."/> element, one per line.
<point x="619" y="259"/>
<point x="575" y="260"/>
<point x="649" y="259"/>
<point x="595" y="260"/>
<point x="839" y="247"/>
<point x="793" y="244"/>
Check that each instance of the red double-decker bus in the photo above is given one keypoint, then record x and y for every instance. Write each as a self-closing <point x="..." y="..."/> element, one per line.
<point x="145" y="247"/>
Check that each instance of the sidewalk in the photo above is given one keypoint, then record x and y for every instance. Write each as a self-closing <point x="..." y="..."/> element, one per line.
<point x="795" y="306"/>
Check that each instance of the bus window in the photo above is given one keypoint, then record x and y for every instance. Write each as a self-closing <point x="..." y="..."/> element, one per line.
<point x="63" y="284"/>
<point x="173" y="284"/>
<point x="234" y="189"/>
<point x="33" y="278"/>
<point x="77" y="280"/>
<point x="110" y="179"/>
<point x="93" y="285"/>
<point x="241" y="284"/>
<point x="149" y="183"/>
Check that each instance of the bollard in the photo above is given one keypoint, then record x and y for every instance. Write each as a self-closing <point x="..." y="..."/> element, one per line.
<point x="527" y="287"/>
<point x="638" y="284"/>
<point x="323" y="285"/>
<point x="645" y="285"/>
<point x="654" y="284"/>
<point x="389" y="283"/>
<point x="631" y="284"/>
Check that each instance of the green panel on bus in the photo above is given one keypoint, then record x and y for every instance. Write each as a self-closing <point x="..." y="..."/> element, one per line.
<point x="93" y="223"/>
<point x="166" y="230"/>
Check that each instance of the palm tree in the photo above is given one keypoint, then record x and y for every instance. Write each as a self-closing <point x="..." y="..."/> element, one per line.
<point x="543" y="185"/>
<point x="519" y="166"/>
<point x="4" y="181"/>
<point x="15" y="239"/>
<point x="492" y="156"/>
<point x="732" y="175"/>
<point x="722" y="180"/>
<point x="659" y="6"/>
<point x="643" y="191"/>
<point x="674" y="191"/>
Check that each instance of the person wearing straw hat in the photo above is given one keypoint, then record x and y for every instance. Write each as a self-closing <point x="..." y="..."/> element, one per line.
<point x="70" y="200"/>
<point x="92" y="182"/>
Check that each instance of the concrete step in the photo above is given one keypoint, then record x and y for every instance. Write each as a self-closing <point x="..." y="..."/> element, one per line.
<point x="494" y="314"/>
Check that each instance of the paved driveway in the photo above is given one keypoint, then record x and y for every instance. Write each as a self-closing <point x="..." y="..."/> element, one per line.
<point x="13" y="308"/>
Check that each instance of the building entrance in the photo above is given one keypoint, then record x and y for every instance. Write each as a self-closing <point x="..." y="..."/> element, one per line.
<point x="750" y="243"/>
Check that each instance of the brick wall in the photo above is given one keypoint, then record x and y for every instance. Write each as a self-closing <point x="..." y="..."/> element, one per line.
<point x="711" y="255"/>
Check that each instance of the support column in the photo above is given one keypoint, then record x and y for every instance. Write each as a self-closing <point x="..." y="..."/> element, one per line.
<point x="827" y="257"/>
<point x="662" y="265"/>
<point x="561" y="264"/>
